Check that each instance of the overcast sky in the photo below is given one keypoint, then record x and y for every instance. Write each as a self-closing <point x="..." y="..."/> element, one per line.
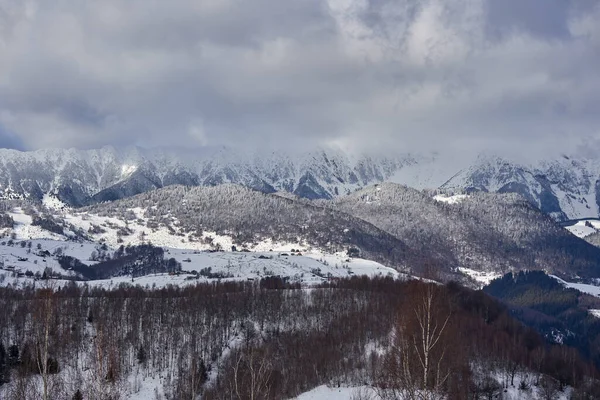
<point x="385" y="74"/>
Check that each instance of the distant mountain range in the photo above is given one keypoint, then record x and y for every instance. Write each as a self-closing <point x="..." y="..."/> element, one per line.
<point x="565" y="188"/>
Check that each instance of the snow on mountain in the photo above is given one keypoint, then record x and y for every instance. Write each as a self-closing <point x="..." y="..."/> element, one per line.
<point x="565" y="188"/>
<point x="483" y="278"/>
<point x="27" y="248"/>
<point x="486" y="232"/>
<point x="594" y="290"/>
<point x="51" y="202"/>
<point x="450" y="199"/>
<point x="81" y="177"/>
<point x="308" y="269"/>
<point x="584" y="228"/>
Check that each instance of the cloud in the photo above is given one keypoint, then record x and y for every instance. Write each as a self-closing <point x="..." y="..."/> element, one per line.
<point x="8" y="140"/>
<point x="376" y="74"/>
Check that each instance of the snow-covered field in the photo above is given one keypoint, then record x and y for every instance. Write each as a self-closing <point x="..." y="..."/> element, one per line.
<point x="22" y="256"/>
<point x="582" y="287"/>
<point x="310" y="268"/>
<point x="30" y="248"/>
<point x="583" y="228"/>
<point x="324" y="392"/>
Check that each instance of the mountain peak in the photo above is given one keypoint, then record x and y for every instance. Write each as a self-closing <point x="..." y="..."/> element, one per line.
<point x="565" y="187"/>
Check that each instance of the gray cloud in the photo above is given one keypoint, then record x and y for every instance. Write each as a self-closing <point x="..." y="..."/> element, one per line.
<point x="10" y="141"/>
<point x="378" y="74"/>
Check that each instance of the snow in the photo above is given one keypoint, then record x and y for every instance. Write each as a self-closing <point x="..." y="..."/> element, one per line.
<point x="127" y="169"/>
<point x="595" y="313"/>
<point x="572" y="180"/>
<point x="24" y="230"/>
<point x="160" y="237"/>
<point x="52" y="203"/>
<point x="324" y="392"/>
<point x="576" y="205"/>
<point x="90" y="171"/>
<point x="143" y="387"/>
<point x="482" y="277"/>
<point x="582" y="287"/>
<point x="457" y="198"/>
<point x="428" y="171"/>
<point x="21" y="259"/>
<point x="309" y="269"/>
<point x="267" y="258"/>
<point x="582" y="230"/>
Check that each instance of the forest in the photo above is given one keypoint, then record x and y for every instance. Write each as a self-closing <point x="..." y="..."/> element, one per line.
<point x="541" y="302"/>
<point x="274" y="340"/>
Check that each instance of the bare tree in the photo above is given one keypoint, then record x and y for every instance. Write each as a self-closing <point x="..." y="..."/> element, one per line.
<point x="251" y="374"/>
<point x="416" y="366"/>
<point x="548" y="388"/>
<point x="43" y="318"/>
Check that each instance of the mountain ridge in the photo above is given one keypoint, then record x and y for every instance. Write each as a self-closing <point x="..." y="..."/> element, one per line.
<point x="565" y="187"/>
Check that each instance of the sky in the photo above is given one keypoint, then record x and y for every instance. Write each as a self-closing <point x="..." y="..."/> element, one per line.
<point x="384" y="75"/>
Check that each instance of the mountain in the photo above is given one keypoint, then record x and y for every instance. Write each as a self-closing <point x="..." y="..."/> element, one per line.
<point x="399" y="227"/>
<point x="80" y="177"/>
<point x="493" y="232"/>
<point x="218" y="218"/>
<point x="250" y="217"/>
<point x="565" y="188"/>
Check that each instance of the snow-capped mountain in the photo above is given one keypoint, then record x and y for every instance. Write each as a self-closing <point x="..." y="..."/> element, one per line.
<point x="79" y="177"/>
<point x="566" y="188"/>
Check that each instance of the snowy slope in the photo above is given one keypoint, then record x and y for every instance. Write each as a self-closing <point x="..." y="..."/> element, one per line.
<point x="28" y="248"/>
<point x="324" y="392"/>
<point x="565" y="188"/>
<point x="450" y="199"/>
<point x="307" y="269"/>
<point x="584" y="288"/>
<point x="584" y="228"/>
<point x="365" y="392"/>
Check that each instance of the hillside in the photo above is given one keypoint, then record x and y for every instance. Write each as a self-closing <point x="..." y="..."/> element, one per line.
<point x="481" y="231"/>
<point x="411" y="231"/>
<point x="250" y="218"/>
<point x="265" y="230"/>
<point x="561" y="313"/>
